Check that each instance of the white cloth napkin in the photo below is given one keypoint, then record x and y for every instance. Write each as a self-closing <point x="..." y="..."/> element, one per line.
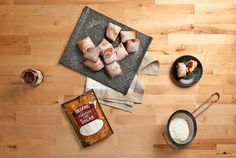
<point x="110" y="97"/>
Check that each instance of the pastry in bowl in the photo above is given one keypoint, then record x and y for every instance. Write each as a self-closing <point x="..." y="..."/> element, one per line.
<point x="181" y="70"/>
<point x="185" y="69"/>
<point x="191" y="65"/>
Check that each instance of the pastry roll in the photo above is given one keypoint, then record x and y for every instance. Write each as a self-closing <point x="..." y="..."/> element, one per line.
<point x="127" y="35"/>
<point x="132" y="45"/>
<point x="181" y="70"/>
<point x="191" y="65"/>
<point x="113" y="69"/>
<point x="121" y="52"/>
<point x="112" y="31"/>
<point x="85" y="43"/>
<point x="92" y="54"/>
<point x="95" y="66"/>
<point x="104" y="45"/>
<point x="109" y="56"/>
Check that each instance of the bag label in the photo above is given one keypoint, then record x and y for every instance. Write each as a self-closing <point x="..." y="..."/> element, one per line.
<point x="85" y="114"/>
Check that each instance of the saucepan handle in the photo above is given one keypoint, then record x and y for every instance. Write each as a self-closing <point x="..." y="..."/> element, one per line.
<point x="167" y="142"/>
<point x="198" y="112"/>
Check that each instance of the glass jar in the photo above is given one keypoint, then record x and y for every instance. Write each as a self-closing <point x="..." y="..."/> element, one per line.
<point x="32" y="77"/>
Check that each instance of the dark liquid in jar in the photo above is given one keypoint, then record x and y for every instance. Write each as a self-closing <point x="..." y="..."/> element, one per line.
<point x="32" y="77"/>
<point x="28" y="77"/>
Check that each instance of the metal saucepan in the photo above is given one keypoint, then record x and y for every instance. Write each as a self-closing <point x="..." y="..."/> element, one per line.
<point x="190" y="118"/>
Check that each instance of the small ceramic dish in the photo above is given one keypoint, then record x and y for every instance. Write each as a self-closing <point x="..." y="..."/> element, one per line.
<point x="191" y="78"/>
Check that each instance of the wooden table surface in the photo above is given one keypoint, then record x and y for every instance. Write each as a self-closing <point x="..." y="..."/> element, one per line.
<point x="34" y="33"/>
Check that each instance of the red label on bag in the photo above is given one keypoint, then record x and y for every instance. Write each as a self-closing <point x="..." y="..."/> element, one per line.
<point x="85" y="114"/>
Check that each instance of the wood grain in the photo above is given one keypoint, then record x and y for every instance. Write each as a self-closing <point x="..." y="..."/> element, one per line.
<point x="34" y="33"/>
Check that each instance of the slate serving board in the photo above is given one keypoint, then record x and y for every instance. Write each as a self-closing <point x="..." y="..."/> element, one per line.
<point x="93" y="24"/>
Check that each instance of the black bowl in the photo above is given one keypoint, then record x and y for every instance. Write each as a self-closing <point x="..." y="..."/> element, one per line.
<point x="191" y="78"/>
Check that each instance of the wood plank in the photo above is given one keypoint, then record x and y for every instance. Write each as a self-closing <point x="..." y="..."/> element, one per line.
<point x="201" y="39"/>
<point x="15" y="50"/>
<point x="226" y="149"/>
<point x="215" y="8"/>
<point x="214" y="19"/>
<point x="13" y="40"/>
<point x="191" y="1"/>
<point x="6" y="2"/>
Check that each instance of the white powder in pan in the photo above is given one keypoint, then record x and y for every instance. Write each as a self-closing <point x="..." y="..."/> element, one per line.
<point x="179" y="130"/>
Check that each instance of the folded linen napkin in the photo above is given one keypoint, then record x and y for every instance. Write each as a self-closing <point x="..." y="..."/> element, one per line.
<point x="110" y="97"/>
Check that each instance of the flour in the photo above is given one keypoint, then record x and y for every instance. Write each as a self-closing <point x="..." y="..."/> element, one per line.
<point x="179" y="130"/>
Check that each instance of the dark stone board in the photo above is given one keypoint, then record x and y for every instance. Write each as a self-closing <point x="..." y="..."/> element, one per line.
<point x="93" y="24"/>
